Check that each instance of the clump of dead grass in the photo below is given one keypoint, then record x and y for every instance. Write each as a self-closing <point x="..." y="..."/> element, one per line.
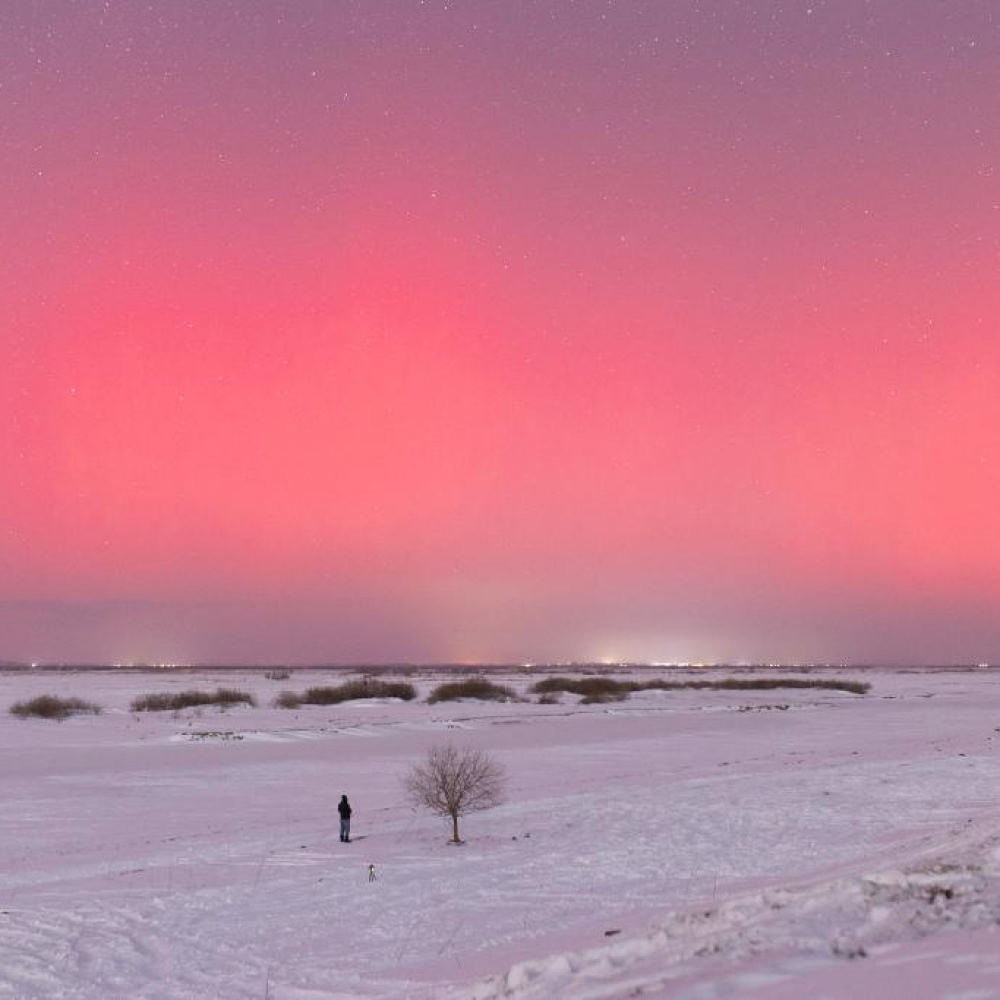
<point x="49" y="706"/>
<point x="472" y="687"/>
<point x="175" y="701"/>
<point x="366" y="687"/>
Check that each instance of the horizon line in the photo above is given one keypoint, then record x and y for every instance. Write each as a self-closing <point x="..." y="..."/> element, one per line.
<point x="486" y="664"/>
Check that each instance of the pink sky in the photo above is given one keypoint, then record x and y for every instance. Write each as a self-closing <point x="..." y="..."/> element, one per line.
<point x="384" y="332"/>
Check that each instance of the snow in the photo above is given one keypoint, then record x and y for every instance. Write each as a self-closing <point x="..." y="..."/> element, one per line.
<point x="690" y="844"/>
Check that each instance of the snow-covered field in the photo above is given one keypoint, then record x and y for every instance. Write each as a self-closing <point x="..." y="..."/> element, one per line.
<point x="692" y="844"/>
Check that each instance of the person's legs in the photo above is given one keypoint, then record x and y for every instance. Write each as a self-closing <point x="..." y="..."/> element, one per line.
<point x="343" y="830"/>
<point x="347" y="830"/>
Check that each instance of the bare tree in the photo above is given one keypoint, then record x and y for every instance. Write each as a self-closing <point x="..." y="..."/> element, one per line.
<point x="453" y="782"/>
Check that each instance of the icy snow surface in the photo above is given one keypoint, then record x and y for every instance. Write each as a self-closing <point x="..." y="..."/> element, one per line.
<point x="840" y="847"/>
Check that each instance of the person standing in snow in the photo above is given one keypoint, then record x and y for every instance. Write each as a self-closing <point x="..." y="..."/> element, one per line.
<point x="345" y="820"/>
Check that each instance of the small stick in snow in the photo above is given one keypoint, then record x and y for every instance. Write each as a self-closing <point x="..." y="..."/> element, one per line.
<point x="406" y="943"/>
<point x="260" y="867"/>
<point x="448" y="943"/>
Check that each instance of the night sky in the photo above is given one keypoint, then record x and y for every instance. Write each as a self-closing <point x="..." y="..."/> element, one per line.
<point x="507" y="330"/>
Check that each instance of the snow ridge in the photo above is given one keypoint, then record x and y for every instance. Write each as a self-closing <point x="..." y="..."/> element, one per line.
<point x="848" y="918"/>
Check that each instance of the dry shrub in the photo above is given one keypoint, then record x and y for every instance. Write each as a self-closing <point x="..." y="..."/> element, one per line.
<point x="348" y="691"/>
<point x="49" y="706"/>
<point x="288" y="699"/>
<point x="602" y="697"/>
<point x="166" y="701"/>
<point x="599" y="689"/>
<point x="595" y="688"/>
<point x="474" y="687"/>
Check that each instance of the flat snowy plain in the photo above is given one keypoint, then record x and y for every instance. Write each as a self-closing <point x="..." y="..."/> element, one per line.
<point x="689" y="844"/>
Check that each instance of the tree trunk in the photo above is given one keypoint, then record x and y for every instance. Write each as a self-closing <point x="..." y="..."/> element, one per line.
<point x="454" y="826"/>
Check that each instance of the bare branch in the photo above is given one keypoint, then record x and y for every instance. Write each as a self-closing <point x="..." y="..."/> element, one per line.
<point x="452" y="782"/>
